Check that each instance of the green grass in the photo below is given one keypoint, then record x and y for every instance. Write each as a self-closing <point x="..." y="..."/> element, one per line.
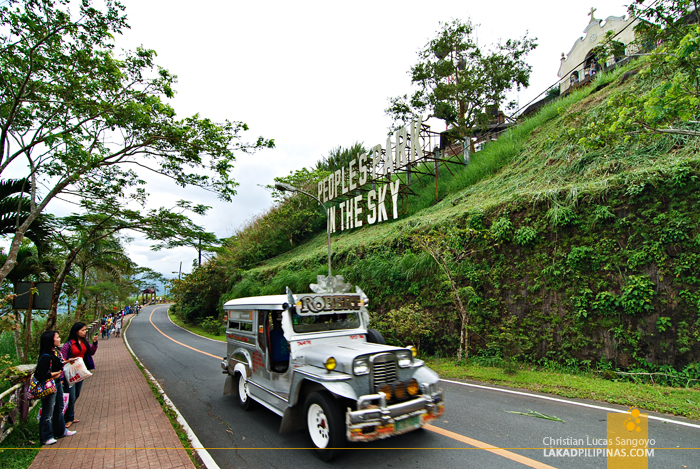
<point x="675" y="401"/>
<point x="19" y="449"/>
<point x="196" y="329"/>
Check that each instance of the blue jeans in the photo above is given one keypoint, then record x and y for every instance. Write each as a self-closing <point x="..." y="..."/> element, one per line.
<point x="51" y="423"/>
<point x="73" y="395"/>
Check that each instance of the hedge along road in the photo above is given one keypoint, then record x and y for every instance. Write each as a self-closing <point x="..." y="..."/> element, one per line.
<point x="477" y="430"/>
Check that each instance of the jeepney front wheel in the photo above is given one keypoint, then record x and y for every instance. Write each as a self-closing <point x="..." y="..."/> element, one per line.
<point x="325" y="425"/>
<point x="244" y="399"/>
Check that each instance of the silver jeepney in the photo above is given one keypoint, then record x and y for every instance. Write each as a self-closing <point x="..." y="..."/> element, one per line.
<point x="337" y="382"/>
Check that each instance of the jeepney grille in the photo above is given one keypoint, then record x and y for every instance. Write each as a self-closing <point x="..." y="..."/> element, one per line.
<point x="384" y="371"/>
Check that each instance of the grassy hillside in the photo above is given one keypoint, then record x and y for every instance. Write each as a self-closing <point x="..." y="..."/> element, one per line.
<point x="570" y="255"/>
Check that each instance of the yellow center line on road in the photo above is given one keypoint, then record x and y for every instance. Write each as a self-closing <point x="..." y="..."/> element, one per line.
<point x="490" y="448"/>
<point x="150" y="318"/>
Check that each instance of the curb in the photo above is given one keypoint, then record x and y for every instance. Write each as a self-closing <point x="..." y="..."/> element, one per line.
<point x="203" y="454"/>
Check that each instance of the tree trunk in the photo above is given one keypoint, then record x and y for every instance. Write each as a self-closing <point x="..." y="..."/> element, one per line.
<point x="58" y="286"/>
<point x="463" y="320"/>
<point x="78" y="313"/>
<point x="28" y="324"/>
<point x="79" y="306"/>
<point x="17" y="333"/>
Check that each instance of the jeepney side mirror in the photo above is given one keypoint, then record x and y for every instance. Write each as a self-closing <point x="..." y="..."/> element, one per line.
<point x="287" y="314"/>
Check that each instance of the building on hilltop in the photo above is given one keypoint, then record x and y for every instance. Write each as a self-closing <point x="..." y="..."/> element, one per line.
<point x="581" y="64"/>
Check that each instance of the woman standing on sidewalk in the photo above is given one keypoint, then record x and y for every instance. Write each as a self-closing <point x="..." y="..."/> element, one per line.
<point x="77" y="346"/>
<point x="50" y="366"/>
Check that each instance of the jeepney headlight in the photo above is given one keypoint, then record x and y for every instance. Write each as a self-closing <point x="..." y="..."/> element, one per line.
<point x="404" y="358"/>
<point x="400" y="390"/>
<point x="386" y="389"/>
<point x="330" y="363"/>
<point x="414" y="351"/>
<point x="412" y="387"/>
<point x="360" y="366"/>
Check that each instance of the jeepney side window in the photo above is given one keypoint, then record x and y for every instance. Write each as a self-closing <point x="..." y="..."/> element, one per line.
<point x="262" y="333"/>
<point x="231" y="319"/>
<point x="241" y="320"/>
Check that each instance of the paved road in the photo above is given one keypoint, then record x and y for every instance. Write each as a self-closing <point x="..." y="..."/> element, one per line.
<point x="187" y="367"/>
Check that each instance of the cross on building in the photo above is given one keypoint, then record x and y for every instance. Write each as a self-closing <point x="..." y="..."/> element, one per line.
<point x="591" y="14"/>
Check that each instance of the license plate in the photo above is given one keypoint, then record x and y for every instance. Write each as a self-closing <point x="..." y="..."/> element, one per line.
<point x="407" y="424"/>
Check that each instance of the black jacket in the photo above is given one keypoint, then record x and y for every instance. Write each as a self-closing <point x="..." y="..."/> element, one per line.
<point x="48" y="363"/>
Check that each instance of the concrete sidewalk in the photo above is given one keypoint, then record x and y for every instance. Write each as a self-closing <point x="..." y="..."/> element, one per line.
<point x="122" y="425"/>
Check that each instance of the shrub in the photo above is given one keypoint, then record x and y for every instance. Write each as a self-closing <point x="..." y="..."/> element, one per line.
<point x="502" y="229"/>
<point x="212" y="325"/>
<point x="637" y="294"/>
<point x="197" y="294"/>
<point x="525" y="236"/>
<point x="406" y="325"/>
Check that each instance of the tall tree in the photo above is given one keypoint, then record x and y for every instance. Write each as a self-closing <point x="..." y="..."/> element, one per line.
<point x="80" y="118"/>
<point x="164" y="226"/>
<point x="457" y="79"/>
<point x="104" y="253"/>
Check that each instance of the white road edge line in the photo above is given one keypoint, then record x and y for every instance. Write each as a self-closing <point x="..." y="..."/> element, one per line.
<point x="203" y="454"/>
<point x="564" y="401"/>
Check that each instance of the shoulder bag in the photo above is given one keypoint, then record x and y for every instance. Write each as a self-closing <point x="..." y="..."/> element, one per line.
<point x="39" y="389"/>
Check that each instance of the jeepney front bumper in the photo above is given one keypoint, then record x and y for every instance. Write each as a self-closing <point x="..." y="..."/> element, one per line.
<point x="374" y="419"/>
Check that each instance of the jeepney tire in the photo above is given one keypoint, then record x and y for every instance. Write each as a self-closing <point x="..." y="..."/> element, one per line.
<point x="325" y="425"/>
<point x="244" y="400"/>
<point x="375" y="337"/>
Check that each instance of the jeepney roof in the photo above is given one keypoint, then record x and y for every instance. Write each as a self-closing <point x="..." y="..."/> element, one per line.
<point x="257" y="302"/>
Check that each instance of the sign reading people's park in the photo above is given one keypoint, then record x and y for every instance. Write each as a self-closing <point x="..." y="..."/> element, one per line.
<point x="367" y="192"/>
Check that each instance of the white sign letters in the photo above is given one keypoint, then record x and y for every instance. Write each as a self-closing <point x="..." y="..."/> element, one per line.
<point x="404" y="150"/>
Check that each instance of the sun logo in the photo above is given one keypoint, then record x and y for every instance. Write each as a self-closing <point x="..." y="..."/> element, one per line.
<point x="632" y="423"/>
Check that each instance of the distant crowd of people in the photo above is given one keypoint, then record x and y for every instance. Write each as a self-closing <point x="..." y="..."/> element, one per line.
<point x="112" y="323"/>
<point x="53" y="356"/>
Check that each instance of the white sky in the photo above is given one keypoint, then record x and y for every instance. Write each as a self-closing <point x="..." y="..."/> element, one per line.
<point x="313" y="76"/>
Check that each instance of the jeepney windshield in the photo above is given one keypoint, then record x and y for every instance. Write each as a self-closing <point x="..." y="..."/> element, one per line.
<point x="325" y="322"/>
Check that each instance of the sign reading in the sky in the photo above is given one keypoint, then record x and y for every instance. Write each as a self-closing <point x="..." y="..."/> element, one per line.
<point x="370" y="206"/>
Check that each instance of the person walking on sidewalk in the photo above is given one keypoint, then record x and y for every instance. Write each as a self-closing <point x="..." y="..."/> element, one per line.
<point x="50" y="366"/>
<point x="117" y="327"/>
<point x="109" y="325"/>
<point x="77" y="346"/>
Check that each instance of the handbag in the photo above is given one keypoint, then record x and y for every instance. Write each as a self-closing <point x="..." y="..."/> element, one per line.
<point x="75" y="372"/>
<point x="39" y="389"/>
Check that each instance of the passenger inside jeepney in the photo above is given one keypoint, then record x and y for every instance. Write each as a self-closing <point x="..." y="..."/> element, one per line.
<point x="279" y="347"/>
